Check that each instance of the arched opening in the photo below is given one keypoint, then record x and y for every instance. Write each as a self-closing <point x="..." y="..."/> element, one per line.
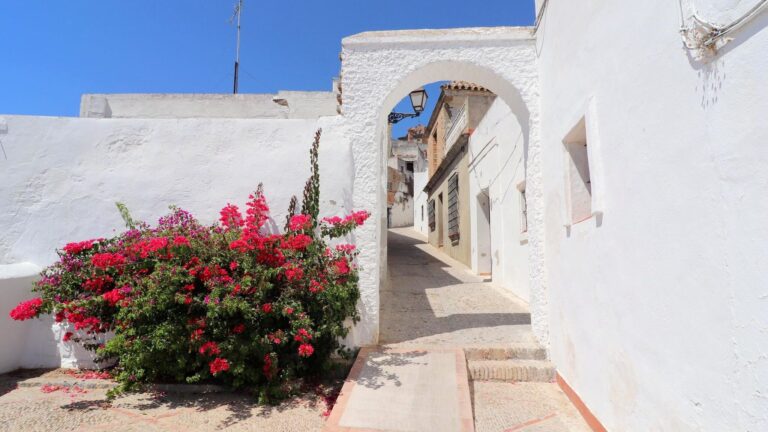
<point x="459" y="274"/>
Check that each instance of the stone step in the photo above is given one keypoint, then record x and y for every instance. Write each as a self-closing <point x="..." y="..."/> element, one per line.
<point x="509" y="352"/>
<point x="511" y="370"/>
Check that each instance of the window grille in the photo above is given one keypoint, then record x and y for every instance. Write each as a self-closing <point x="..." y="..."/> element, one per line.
<point x="431" y="214"/>
<point x="453" y="207"/>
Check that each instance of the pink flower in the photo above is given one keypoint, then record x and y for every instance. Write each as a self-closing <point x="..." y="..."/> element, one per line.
<point x="238" y="329"/>
<point x="67" y="336"/>
<point x="288" y="310"/>
<point x="345" y="248"/>
<point x="218" y="365"/>
<point x="335" y="220"/>
<point x="299" y="222"/>
<point x="359" y="217"/>
<point x="27" y="309"/>
<point x="210" y="348"/>
<point x="306" y="350"/>
<point x="266" y="307"/>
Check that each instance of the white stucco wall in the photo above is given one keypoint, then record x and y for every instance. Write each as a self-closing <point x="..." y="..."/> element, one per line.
<point x="62" y="177"/>
<point x="15" y="286"/>
<point x="420" y="212"/>
<point x="497" y="166"/>
<point x="658" y="309"/>
<point x="401" y="212"/>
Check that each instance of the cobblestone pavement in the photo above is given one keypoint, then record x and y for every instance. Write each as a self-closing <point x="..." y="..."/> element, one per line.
<point x="432" y="300"/>
<point x="87" y="409"/>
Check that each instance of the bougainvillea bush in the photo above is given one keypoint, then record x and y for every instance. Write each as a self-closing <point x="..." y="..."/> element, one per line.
<point x="229" y="303"/>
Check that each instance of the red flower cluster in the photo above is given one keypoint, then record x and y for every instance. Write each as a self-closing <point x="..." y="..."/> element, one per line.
<point x="268" y="370"/>
<point x="218" y="365"/>
<point x="293" y="272"/>
<point x="306" y="350"/>
<point x="315" y="286"/>
<point x="299" y="222"/>
<point x="107" y="260"/>
<point x="76" y="248"/>
<point x="231" y="217"/>
<point x="27" y="309"/>
<point x="210" y="348"/>
<point x="342" y="266"/>
<point x="180" y="241"/>
<point x="113" y="297"/>
<point x="98" y="284"/>
<point x="302" y="336"/>
<point x="358" y="217"/>
<point x="297" y="242"/>
<point x="145" y="248"/>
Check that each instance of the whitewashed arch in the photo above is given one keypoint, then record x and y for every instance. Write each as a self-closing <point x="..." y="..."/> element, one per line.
<point x="378" y="70"/>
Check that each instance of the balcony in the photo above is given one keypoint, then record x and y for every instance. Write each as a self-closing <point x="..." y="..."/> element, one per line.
<point x="457" y="128"/>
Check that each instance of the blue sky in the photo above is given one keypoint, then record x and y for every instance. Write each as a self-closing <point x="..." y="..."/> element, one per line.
<point x="53" y="51"/>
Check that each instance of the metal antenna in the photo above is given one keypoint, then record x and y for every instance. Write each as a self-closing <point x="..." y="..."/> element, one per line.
<point x="238" y="10"/>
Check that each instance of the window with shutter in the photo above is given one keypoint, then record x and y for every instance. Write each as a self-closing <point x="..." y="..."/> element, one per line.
<point x="431" y="214"/>
<point x="453" y="208"/>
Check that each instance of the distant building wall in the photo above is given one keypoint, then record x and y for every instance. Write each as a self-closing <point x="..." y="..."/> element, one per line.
<point x="283" y="105"/>
<point x="458" y="248"/>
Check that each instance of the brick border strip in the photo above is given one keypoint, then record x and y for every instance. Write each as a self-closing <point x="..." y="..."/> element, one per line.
<point x="590" y="418"/>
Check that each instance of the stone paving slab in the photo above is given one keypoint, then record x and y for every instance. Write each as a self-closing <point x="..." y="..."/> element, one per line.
<point x="405" y="390"/>
<point x="524" y="407"/>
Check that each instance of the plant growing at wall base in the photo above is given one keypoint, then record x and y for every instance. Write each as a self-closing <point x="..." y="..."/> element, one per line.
<point x="229" y="303"/>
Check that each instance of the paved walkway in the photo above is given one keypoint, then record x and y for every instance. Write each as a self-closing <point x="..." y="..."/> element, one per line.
<point x="432" y="309"/>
